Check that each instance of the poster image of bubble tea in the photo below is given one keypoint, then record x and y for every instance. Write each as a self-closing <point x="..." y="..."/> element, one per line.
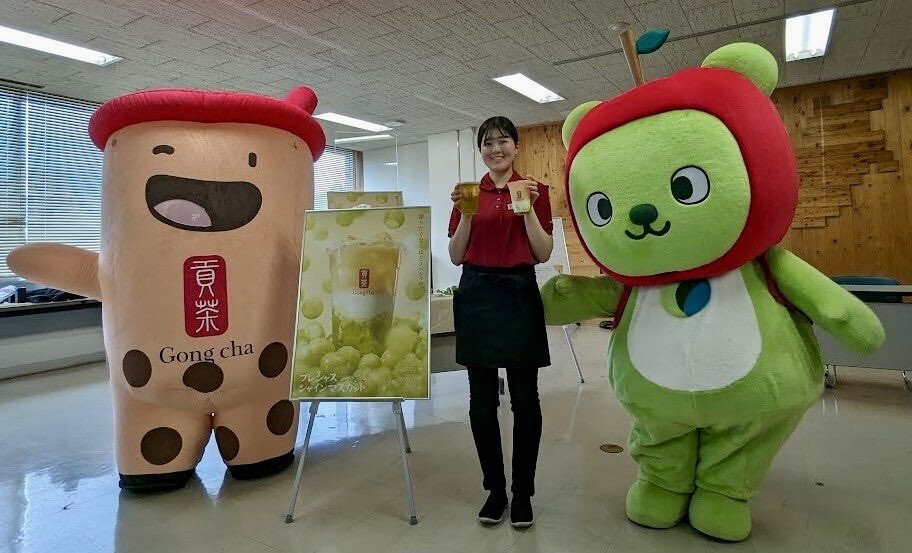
<point x="363" y="306"/>
<point x="348" y="200"/>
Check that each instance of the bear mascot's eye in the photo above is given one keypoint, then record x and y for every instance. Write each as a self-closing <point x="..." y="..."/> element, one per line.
<point x="599" y="207"/>
<point x="689" y="185"/>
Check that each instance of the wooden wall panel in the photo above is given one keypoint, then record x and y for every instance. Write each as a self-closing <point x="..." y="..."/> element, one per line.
<point x="852" y="139"/>
<point x="853" y="142"/>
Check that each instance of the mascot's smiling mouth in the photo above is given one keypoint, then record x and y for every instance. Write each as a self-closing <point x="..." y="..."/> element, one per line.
<point x="647" y="230"/>
<point x="200" y="205"/>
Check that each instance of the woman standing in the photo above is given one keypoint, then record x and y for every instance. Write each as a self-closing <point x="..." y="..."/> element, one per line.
<point x="499" y="318"/>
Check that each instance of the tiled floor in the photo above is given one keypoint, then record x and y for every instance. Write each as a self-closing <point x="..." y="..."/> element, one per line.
<point x="843" y="483"/>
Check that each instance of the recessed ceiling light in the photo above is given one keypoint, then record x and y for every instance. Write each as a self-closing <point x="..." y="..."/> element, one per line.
<point x="351" y="122"/>
<point x="51" y="46"/>
<point x="807" y="36"/>
<point x="363" y="138"/>
<point x="529" y="88"/>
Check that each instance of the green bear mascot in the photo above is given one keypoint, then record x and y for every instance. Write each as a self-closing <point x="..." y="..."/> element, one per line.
<point x="680" y="190"/>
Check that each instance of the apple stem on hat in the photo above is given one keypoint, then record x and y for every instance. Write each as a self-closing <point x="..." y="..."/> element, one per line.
<point x="628" y="41"/>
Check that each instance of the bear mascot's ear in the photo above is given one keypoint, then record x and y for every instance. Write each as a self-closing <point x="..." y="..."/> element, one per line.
<point x="573" y="120"/>
<point x="750" y="60"/>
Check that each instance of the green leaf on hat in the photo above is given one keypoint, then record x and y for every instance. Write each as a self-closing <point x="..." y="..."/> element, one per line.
<point x="651" y="40"/>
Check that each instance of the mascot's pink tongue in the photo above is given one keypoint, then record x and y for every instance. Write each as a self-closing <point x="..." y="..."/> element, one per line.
<point x="184" y="212"/>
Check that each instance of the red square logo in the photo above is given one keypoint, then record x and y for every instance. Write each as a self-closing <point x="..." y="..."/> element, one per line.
<point x="364" y="278"/>
<point x="205" y="296"/>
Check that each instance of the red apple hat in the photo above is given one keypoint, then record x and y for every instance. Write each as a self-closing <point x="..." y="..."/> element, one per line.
<point x="294" y="113"/>
<point x="729" y="87"/>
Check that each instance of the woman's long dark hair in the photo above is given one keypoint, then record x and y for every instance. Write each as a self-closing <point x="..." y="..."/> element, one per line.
<point x="498" y="123"/>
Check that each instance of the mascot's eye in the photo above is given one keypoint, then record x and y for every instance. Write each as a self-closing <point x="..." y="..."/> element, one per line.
<point x="690" y="185"/>
<point x="599" y="207"/>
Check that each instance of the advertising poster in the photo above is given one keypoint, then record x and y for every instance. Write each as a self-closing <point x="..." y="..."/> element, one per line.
<point x="348" y="200"/>
<point x="363" y="305"/>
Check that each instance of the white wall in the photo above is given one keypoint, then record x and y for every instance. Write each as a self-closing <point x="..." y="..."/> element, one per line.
<point x="451" y="156"/>
<point x="413" y="172"/>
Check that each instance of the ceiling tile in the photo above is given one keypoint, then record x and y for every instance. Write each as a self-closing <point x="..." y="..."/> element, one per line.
<point x="552" y="11"/>
<point x="413" y="23"/>
<point x="348" y="18"/>
<point x="752" y="10"/>
<point x="663" y="14"/>
<point x="285" y="14"/>
<point x="150" y="27"/>
<point x="712" y="16"/>
<point x="496" y="11"/>
<point x="103" y="11"/>
<point x="209" y="10"/>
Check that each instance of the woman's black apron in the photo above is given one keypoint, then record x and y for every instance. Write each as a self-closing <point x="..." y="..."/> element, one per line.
<point x="499" y="318"/>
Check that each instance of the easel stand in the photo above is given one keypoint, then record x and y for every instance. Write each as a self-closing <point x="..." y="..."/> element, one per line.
<point x="404" y="446"/>
<point x="579" y="371"/>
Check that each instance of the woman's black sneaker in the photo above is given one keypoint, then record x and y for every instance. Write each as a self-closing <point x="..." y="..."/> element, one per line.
<point x="493" y="510"/>
<point x="521" y="515"/>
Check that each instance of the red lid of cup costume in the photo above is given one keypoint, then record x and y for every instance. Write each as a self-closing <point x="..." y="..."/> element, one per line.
<point x="754" y="122"/>
<point x="292" y="114"/>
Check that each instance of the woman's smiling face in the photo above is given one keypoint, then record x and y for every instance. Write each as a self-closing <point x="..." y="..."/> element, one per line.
<point x="498" y="151"/>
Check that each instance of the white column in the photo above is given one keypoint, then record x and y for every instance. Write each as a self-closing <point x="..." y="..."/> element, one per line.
<point x="451" y="155"/>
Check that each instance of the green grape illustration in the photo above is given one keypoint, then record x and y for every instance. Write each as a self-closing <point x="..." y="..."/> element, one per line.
<point x="401" y="340"/>
<point x="315" y="351"/>
<point x="314" y="330"/>
<point x="321" y="234"/>
<point x="382" y="198"/>
<point x="333" y="363"/>
<point x="305" y="263"/>
<point x="389" y="359"/>
<point x="375" y="381"/>
<point x="311" y="222"/>
<point x="415" y="290"/>
<point x="394" y="219"/>
<point x="345" y="219"/>
<point x="326" y="286"/>
<point x="351" y="355"/>
<point x="369" y="362"/>
<point x="311" y="308"/>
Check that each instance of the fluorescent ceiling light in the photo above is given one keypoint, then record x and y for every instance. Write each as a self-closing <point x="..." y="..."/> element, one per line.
<point x="352" y="122"/>
<point x="364" y="138"/>
<point x="391" y="163"/>
<point x="806" y="36"/>
<point x="529" y="88"/>
<point x="51" y="46"/>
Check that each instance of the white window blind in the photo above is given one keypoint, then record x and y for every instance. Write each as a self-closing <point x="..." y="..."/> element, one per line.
<point x="50" y="172"/>
<point x="337" y="170"/>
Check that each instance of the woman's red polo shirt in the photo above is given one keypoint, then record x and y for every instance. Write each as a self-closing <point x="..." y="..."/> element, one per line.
<point x="499" y="237"/>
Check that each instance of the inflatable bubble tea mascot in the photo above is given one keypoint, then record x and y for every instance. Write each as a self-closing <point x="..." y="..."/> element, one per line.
<point x="680" y="190"/>
<point x="203" y="205"/>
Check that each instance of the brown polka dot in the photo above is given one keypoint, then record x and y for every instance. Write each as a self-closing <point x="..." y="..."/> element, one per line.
<point x="161" y="445"/>
<point x="273" y="360"/>
<point x="203" y="377"/>
<point x="228" y="443"/>
<point x="137" y="368"/>
<point x="280" y="417"/>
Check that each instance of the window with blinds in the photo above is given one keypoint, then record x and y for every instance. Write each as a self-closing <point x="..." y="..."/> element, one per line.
<point x="50" y="173"/>
<point x="337" y="170"/>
